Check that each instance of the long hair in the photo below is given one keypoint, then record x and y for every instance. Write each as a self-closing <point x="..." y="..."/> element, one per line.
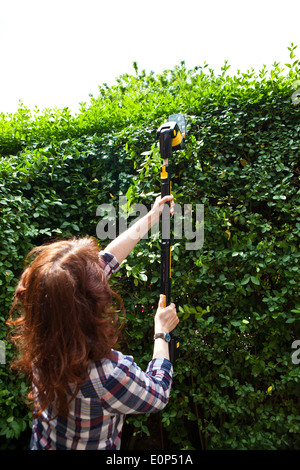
<point x="65" y="318"/>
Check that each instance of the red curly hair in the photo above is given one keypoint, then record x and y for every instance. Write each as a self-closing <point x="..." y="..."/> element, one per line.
<point x="67" y="319"/>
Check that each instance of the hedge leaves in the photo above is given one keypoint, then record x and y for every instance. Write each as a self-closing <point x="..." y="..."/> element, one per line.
<point x="236" y="385"/>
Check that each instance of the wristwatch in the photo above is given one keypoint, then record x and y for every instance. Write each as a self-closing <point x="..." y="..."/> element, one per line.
<point x="165" y="336"/>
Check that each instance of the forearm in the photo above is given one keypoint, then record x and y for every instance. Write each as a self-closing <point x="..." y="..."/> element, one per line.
<point x="161" y="349"/>
<point x="121" y="246"/>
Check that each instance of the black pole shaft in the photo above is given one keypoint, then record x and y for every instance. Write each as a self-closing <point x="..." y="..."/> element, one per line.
<point x="165" y="267"/>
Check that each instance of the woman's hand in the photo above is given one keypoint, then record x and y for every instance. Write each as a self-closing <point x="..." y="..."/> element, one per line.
<point x="158" y="206"/>
<point x="166" y="318"/>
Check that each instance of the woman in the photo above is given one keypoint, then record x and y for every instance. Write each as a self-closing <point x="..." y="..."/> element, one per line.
<point x="82" y="387"/>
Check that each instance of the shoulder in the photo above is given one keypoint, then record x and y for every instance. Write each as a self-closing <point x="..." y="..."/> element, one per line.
<point x="101" y="371"/>
<point x="116" y="364"/>
<point x="111" y="365"/>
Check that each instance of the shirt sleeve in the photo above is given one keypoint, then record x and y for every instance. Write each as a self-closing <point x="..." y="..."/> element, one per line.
<point x="129" y="390"/>
<point x="109" y="263"/>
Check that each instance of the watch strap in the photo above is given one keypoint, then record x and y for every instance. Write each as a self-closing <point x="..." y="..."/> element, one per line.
<point x="164" y="336"/>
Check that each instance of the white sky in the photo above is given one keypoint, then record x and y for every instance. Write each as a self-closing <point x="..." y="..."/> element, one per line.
<point x="55" y="53"/>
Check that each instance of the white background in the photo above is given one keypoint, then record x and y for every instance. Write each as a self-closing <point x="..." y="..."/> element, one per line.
<point x="55" y="53"/>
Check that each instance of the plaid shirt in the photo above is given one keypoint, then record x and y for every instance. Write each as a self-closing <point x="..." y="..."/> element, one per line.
<point x="116" y="387"/>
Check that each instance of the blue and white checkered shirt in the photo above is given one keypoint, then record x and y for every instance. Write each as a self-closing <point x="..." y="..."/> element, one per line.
<point x="115" y="387"/>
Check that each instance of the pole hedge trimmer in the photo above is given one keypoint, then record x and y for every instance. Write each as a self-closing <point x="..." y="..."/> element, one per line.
<point x="170" y="135"/>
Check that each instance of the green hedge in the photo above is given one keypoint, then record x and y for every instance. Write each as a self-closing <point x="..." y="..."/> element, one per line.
<point x="235" y="383"/>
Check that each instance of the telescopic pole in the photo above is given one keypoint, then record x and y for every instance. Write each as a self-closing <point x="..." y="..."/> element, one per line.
<point x="169" y="136"/>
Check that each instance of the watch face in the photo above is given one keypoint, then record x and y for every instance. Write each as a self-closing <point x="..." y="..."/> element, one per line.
<point x="168" y="337"/>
